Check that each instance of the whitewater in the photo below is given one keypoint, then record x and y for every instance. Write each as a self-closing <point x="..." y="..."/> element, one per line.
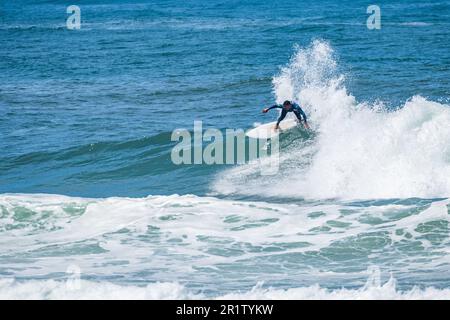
<point x="361" y="150"/>
<point x="170" y="247"/>
<point x="358" y="210"/>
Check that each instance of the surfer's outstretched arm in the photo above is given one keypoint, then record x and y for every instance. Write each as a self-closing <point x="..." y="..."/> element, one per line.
<point x="282" y="115"/>
<point x="275" y="106"/>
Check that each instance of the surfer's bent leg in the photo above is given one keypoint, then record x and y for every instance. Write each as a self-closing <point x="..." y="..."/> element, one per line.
<point x="301" y="114"/>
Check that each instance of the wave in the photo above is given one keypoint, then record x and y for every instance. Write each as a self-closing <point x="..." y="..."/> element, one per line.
<point x="168" y="238"/>
<point x="416" y="24"/>
<point x="33" y="27"/>
<point x="91" y="290"/>
<point x="361" y="150"/>
<point x="151" y="146"/>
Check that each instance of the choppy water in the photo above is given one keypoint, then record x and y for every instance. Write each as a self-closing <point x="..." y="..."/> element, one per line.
<point x="359" y="208"/>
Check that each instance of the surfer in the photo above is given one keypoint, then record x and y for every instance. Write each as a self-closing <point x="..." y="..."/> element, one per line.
<point x="286" y="107"/>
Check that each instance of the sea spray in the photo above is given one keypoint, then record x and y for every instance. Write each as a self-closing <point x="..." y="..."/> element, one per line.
<point x="360" y="150"/>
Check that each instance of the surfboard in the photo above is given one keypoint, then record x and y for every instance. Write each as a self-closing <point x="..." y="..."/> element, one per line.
<point x="267" y="130"/>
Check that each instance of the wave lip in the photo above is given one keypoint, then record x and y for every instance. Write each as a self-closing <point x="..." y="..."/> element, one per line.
<point x="360" y="150"/>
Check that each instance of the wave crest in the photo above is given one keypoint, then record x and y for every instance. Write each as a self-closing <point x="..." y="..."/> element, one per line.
<point x="360" y="150"/>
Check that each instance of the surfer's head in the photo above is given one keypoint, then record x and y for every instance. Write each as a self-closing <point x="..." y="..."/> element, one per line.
<point x="287" y="104"/>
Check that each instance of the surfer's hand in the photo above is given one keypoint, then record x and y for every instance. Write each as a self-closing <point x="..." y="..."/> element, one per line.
<point x="265" y="110"/>
<point x="306" y="125"/>
<point x="277" y="127"/>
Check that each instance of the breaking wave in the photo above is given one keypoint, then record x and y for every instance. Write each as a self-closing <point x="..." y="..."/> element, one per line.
<point x="360" y="150"/>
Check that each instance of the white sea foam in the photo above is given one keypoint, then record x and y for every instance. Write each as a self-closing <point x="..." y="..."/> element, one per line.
<point x="360" y="150"/>
<point x="90" y="290"/>
<point x="184" y="233"/>
<point x="416" y="24"/>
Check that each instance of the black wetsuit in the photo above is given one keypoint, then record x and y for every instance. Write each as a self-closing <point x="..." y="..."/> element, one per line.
<point x="295" y="108"/>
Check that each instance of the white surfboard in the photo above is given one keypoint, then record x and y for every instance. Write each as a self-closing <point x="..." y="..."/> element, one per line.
<point x="267" y="130"/>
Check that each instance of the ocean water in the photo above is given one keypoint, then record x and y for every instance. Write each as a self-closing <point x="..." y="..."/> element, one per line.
<point x="91" y="205"/>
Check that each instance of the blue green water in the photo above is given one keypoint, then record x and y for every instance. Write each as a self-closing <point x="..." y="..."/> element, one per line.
<point x="86" y="118"/>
